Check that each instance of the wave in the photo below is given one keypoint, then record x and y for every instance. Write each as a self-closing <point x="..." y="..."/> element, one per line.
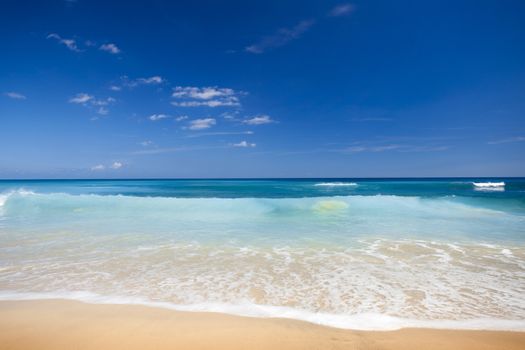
<point x="6" y="195"/>
<point x="361" y="322"/>
<point x="333" y="260"/>
<point x="335" y="184"/>
<point x="489" y="184"/>
<point x="362" y="206"/>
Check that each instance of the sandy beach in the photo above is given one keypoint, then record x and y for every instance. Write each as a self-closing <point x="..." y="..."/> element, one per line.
<point x="61" y="324"/>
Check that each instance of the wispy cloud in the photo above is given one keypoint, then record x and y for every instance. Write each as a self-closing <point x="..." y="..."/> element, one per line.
<point x="175" y="149"/>
<point x="208" y="96"/>
<point x="159" y="151"/>
<point x="146" y="143"/>
<point x="203" y="93"/>
<point x="110" y="47"/>
<point x="157" y="117"/>
<point x="259" y="120"/>
<point x="200" y="124"/>
<point x="341" y="10"/>
<point x="72" y="44"/>
<point x="359" y="149"/>
<point x="229" y="102"/>
<point x="244" y="144"/>
<point x="69" y="43"/>
<point x="15" y="95"/>
<point x="372" y="119"/>
<point x="154" y="80"/>
<point x="281" y="38"/>
<point x="508" y="140"/>
<point x="98" y="167"/>
<point x="117" y="165"/>
<point x="362" y="148"/>
<point x="181" y="118"/>
<point x="131" y="83"/>
<point x="90" y="101"/>
<point x="221" y="133"/>
<point x="81" y="98"/>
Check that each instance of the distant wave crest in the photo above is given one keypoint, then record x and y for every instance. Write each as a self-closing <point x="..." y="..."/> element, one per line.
<point x="489" y="186"/>
<point x="335" y="184"/>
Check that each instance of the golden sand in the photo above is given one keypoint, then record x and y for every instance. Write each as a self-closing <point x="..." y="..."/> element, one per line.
<point x="69" y="325"/>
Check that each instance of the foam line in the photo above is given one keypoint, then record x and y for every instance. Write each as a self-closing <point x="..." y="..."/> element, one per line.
<point x="363" y="322"/>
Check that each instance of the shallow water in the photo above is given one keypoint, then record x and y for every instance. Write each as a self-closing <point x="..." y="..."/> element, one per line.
<point x="368" y="254"/>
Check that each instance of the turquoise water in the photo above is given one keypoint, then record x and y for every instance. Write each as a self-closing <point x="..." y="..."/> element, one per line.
<point x="352" y="253"/>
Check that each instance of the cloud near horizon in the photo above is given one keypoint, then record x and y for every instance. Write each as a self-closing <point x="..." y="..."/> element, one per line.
<point x="508" y="140"/>
<point x="244" y="144"/>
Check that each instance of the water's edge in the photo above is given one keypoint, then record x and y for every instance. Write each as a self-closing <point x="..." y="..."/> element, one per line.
<point x="358" y="322"/>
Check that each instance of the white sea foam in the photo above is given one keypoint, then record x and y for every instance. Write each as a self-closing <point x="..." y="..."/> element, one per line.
<point x="303" y="258"/>
<point x="6" y="195"/>
<point x="495" y="186"/>
<point x="335" y="184"/>
<point x="364" y="321"/>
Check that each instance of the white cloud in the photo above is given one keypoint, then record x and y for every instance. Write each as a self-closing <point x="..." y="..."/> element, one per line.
<point x="15" y="95"/>
<point x="221" y="133"/>
<point x="181" y="118"/>
<point x="116" y="165"/>
<point x="157" y="117"/>
<point x="98" y="167"/>
<point x="232" y="101"/>
<point x="81" y="98"/>
<point x="281" y="38"/>
<point x="382" y="148"/>
<point x="341" y="10"/>
<point x="103" y="111"/>
<point x="508" y="140"/>
<point x="203" y="93"/>
<point x="103" y="102"/>
<point x="91" y="102"/>
<point x="115" y="88"/>
<point x="200" y="124"/>
<point x="131" y="83"/>
<point x="244" y="144"/>
<point x="110" y="47"/>
<point x="151" y="80"/>
<point x="394" y="147"/>
<point x="259" y="120"/>
<point x="208" y="96"/>
<point x="146" y="143"/>
<point x="69" y="43"/>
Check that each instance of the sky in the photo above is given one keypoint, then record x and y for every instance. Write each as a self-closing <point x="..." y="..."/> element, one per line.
<point x="211" y="89"/>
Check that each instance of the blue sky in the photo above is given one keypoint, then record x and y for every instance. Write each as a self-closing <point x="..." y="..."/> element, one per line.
<point x="98" y="89"/>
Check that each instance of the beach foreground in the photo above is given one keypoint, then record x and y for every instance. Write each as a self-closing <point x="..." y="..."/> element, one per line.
<point x="61" y="324"/>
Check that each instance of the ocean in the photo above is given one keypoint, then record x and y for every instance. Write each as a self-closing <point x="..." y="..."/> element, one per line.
<point x="374" y="254"/>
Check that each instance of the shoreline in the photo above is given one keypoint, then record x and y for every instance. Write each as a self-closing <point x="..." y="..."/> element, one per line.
<point x="361" y="322"/>
<point x="65" y="324"/>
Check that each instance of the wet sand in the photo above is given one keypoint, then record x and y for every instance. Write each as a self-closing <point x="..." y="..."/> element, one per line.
<point x="61" y="324"/>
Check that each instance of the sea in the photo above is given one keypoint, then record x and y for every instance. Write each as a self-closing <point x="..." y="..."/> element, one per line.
<point x="366" y="254"/>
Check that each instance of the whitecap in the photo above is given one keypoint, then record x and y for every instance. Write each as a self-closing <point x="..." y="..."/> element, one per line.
<point x="335" y="184"/>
